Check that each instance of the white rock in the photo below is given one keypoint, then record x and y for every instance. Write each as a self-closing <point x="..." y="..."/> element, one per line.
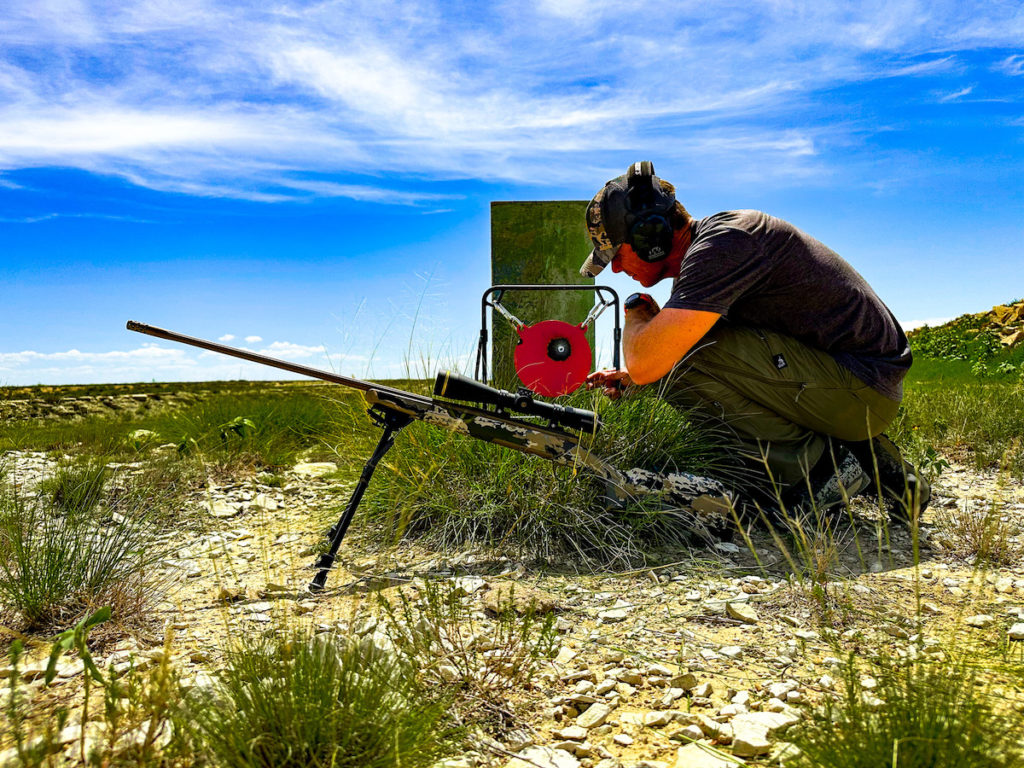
<point x="265" y="503"/>
<point x="543" y="757"/>
<point x="222" y="509"/>
<point x="731" y="652"/>
<point x="315" y="468"/>
<point x="742" y="612"/>
<point x="750" y="743"/>
<point x="981" y="621"/>
<point x="701" y="756"/>
<point x="594" y="716"/>
<point x="1017" y="632"/>
<point x="571" y="733"/>
<point x="657" y="719"/>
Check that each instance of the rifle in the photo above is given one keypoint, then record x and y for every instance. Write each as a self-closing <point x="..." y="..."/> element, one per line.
<point x="498" y="417"/>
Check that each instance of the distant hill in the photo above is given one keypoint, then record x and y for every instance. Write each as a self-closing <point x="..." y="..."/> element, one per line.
<point x="995" y="335"/>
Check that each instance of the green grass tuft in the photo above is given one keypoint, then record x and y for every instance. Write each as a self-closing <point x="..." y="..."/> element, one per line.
<point x="55" y="566"/>
<point x="297" y="700"/>
<point x="920" y="715"/>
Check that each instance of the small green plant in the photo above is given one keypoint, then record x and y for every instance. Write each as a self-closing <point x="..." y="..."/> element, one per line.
<point x="141" y="439"/>
<point x="475" y="663"/>
<point x="239" y="426"/>
<point x="920" y="715"/>
<point x="297" y="700"/>
<point x="33" y="745"/>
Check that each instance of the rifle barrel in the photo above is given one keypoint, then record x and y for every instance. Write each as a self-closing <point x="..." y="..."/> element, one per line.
<point x="254" y="357"/>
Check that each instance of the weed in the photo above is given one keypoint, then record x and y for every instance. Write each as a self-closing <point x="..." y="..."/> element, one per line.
<point x="296" y="700"/>
<point x="983" y="536"/>
<point x="921" y="715"/>
<point x="470" y="661"/>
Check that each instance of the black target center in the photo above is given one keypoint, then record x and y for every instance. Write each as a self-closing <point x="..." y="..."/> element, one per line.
<point x="559" y="349"/>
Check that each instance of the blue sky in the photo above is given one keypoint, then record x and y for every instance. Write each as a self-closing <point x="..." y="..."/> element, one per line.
<point x="313" y="179"/>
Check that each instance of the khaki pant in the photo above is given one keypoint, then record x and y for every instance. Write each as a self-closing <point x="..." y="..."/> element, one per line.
<point x="779" y="398"/>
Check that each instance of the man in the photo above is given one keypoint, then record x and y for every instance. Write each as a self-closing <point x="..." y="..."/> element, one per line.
<point x="768" y="332"/>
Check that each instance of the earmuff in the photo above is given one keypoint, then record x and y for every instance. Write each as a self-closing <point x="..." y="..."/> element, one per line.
<point x="649" y="209"/>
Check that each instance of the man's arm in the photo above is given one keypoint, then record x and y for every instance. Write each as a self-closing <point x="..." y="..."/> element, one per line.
<point x="654" y="340"/>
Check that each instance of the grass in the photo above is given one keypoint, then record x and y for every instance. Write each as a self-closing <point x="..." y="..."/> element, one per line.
<point x="76" y="488"/>
<point x="921" y="714"/>
<point x="302" y="700"/>
<point x="474" y="664"/>
<point x="985" y="537"/>
<point x="449" y="491"/>
<point x="58" y="562"/>
<point x="259" y="429"/>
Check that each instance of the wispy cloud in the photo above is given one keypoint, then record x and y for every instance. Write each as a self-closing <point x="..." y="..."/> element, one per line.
<point x="956" y="95"/>
<point x="1011" y="65"/>
<point x="248" y="100"/>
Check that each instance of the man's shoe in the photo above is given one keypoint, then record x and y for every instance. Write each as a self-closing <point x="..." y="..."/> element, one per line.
<point x="904" y="488"/>
<point x="831" y="483"/>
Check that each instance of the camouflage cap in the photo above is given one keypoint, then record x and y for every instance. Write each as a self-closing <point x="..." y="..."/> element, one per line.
<point x="606" y="225"/>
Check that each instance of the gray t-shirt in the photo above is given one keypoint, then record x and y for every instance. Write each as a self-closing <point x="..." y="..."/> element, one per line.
<point x="761" y="271"/>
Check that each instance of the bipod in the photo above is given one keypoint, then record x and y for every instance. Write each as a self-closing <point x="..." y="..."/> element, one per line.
<point x="392" y="422"/>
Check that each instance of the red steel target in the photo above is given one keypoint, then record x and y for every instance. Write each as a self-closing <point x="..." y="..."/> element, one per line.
<point x="552" y="357"/>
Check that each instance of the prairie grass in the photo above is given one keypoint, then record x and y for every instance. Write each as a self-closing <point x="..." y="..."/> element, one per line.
<point x="76" y="488"/>
<point x="54" y="566"/>
<point x="450" y="491"/>
<point x="249" y="429"/>
<point x="984" y="537"/>
<point x="472" y="662"/>
<point x="979" y="422"/>
<point x="301" y="700"/>
<point x="917" y="714"/>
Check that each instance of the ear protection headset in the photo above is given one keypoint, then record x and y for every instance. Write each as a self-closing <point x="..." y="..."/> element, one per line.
<point x="648" y="213"/>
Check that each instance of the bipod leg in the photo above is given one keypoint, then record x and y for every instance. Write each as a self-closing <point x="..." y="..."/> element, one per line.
<point x="392" y="422"/>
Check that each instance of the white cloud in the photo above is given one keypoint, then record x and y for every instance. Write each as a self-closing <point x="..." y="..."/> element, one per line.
<point x="226" y="337"/>
<point x="956" y="95"/>
<point x="253" y="339"/>
<point x="153" y="362"/>
<point x="1012" y="65"/>
<point x="250" y="100"/>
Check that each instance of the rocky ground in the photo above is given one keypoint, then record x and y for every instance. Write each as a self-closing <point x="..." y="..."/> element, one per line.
<point x="702" y="661"/>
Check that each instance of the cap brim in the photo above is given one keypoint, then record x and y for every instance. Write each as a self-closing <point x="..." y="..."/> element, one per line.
<point x="596" y="261"/>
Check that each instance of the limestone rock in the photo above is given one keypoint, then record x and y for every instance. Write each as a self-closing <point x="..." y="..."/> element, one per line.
<point x="742" y="612"/>
<point x="315" y="468"/>
<point x="700" y="756"/>
<point x="519" y="598"/>
<point x="595" y="715"/>
<point x="543" y="757"/>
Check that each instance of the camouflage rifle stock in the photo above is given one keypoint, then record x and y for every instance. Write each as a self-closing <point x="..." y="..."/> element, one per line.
<point x="501" y="418"/>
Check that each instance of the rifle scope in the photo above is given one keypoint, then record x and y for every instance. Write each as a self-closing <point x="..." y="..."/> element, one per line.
<point x="458" y="387"/>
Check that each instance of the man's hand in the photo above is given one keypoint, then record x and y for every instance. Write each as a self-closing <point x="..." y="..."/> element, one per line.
<point x="611" y="379"/>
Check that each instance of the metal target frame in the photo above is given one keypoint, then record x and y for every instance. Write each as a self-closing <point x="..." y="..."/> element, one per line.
<point x="605" y="297"/>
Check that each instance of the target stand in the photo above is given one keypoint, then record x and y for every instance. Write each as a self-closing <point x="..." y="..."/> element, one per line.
<point x="552" y="357"/>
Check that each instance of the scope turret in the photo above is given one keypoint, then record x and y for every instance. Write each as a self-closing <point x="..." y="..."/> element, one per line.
<point x="458" y="387"/>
